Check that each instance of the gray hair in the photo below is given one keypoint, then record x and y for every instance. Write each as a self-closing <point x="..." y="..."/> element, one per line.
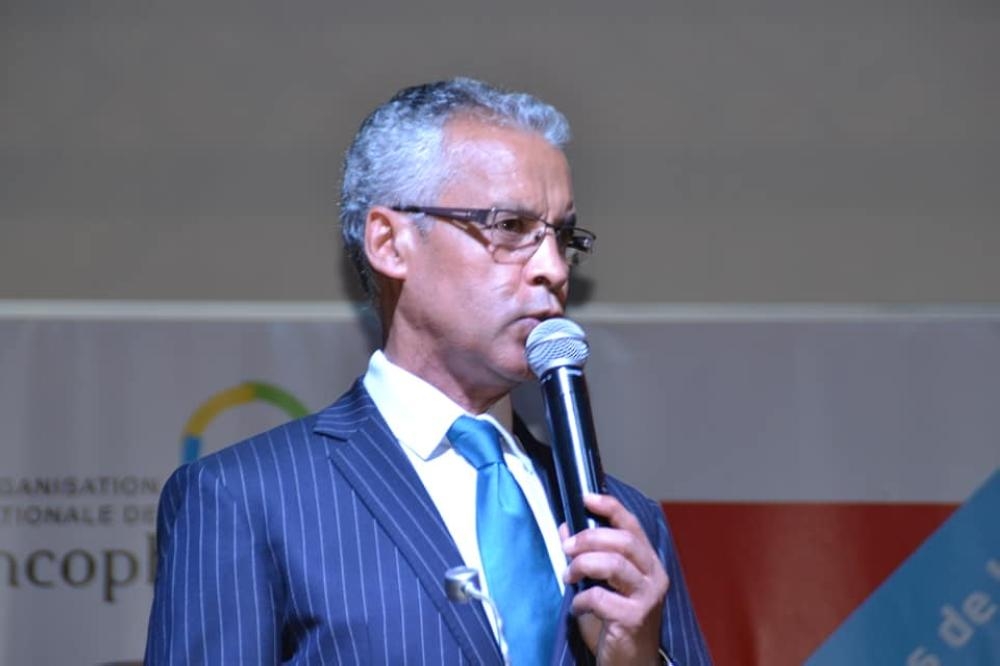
<point x="396" y="157"/>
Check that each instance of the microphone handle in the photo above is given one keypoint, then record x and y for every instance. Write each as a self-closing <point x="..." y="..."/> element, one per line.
<point x="574" y="444"/>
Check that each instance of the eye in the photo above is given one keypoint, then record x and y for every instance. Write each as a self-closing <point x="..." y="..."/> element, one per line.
<point x="513" y="225"/>
<point x="568" y="237"/>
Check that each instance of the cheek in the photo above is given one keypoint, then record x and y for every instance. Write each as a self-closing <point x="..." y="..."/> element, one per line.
<point x="482" y="293"/>
<point x="508" y="281"/>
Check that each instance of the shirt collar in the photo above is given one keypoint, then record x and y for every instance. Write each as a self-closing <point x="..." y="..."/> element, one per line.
<point x="418" y="413"/>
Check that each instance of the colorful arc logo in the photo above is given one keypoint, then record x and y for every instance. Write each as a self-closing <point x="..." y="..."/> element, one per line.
<point x="234" y="396"/>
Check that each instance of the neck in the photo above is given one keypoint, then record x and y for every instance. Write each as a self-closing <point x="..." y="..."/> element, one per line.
<point x="473" y="399"/>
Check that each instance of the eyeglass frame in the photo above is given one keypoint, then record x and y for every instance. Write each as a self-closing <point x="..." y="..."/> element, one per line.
<point x="482" y="216"/>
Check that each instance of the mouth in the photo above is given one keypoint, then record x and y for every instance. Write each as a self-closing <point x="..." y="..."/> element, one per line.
<point x="531" y="320"/>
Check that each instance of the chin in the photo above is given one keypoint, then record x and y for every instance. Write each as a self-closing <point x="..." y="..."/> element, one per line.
<point x="521" y="373"/>
<point x="511" y="362"/>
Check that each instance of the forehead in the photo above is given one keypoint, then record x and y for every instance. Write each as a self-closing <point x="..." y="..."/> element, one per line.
<point x="503" y="166"/>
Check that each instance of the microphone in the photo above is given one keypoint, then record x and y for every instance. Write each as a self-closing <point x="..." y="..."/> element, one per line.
<point x="461" y="585"/>
<point x="557" y="350"/>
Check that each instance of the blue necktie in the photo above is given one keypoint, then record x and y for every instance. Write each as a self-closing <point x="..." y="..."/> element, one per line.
<point x="516" y="562"/>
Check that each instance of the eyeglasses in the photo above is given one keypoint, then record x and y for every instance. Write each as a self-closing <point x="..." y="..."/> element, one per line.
<point x="515" y="235"/>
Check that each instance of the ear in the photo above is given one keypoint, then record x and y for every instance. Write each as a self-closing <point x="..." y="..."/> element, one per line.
<point x="389" y="237"/>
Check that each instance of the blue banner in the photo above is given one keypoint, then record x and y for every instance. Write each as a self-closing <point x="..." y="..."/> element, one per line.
<point x="940" y="608"/>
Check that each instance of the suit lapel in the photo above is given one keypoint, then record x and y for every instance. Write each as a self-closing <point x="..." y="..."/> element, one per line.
<point x="369" y="457"/>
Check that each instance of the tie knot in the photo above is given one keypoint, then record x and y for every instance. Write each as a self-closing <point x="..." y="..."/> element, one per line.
<point x="476" y="440"/>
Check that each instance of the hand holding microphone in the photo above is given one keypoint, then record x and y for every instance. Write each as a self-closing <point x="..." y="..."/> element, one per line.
<point x="619" y="618"/>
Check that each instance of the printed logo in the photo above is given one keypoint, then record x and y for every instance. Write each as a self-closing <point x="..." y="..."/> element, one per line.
<point x="226" y="399"/>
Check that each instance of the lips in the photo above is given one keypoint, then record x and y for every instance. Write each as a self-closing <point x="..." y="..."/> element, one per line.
<point x="546" y="313"/>
<point x="528" y="322"/>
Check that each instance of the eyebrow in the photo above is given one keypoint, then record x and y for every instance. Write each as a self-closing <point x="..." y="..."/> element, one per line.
<point x="567" y="220"/>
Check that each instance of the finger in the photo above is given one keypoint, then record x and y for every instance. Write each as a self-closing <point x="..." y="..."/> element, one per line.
<point x="606" y="605"/>
<point x="608" y="506"/>
<point x="612" y="568"/>
<point x="629" y="628"/>
<point x="633" y="547"/>
<point x="602" y="538"/>
<point x="591" y="629"/>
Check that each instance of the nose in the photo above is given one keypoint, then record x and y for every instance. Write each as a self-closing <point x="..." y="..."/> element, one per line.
<point x="547" y="266"/>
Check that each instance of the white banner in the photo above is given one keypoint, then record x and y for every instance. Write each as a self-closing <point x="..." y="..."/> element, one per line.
<point x="99" y="409"/>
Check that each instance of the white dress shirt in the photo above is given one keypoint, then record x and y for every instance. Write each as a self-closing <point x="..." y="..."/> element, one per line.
<point x="420" y="415"/>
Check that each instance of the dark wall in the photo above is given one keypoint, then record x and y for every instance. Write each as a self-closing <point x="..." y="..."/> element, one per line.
<point x="805" y="152"/>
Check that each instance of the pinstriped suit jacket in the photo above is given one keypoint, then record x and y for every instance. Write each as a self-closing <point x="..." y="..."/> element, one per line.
<point x="316" y="543"/>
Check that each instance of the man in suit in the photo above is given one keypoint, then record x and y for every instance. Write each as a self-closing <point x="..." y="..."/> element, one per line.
<point x="326" y="540"/>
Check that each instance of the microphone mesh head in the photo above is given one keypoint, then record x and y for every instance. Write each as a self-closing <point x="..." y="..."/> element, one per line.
<point x="554" y="343"/>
